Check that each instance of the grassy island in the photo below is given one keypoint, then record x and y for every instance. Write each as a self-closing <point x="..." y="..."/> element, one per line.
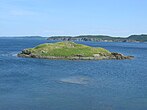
<point x="70" y="50"/>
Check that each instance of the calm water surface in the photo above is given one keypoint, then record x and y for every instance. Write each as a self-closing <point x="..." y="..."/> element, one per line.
<point x="39" y="84"/>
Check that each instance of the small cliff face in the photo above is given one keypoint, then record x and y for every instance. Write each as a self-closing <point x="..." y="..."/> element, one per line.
<point x="71" y="51"/>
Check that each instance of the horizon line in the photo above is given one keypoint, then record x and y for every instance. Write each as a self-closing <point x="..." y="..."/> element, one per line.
<point x="66" y="35"/>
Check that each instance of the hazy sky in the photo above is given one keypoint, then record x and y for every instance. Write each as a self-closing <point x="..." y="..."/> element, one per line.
<point x="73" y="17"/>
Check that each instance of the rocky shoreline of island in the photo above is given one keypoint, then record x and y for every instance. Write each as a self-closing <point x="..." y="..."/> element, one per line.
<point x="113" y="56"/>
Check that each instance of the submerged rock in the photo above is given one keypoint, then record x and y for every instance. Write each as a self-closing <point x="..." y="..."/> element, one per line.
<point x="76" y="80"/>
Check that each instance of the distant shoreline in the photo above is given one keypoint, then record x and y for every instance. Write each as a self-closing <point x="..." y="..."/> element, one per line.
<point x="93" y="38"/>
<point x="101" y="38"/>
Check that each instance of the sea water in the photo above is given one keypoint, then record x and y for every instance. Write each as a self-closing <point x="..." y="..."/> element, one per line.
<point x="40" y="84"/>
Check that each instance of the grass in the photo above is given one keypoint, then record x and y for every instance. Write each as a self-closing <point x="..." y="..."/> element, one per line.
<point x="66" y="49"/>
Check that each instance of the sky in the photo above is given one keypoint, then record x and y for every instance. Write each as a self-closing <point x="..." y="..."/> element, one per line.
<point x="73" y="17"/>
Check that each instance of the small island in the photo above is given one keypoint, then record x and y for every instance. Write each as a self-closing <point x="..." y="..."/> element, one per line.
<point x="71" y="51"/>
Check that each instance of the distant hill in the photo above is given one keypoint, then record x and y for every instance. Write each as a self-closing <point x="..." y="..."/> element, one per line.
<point x="22" y="37"/>
<point x="141" y="38"/>
<point x="83" y="38"/>
<point x="29" y="36"/>
<point x="105" y="38"/>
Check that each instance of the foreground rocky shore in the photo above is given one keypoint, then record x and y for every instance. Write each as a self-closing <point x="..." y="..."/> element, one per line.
<point x="70" y="51"/>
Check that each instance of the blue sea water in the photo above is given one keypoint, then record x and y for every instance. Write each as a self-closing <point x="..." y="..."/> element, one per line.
<point x="40" y="84"/>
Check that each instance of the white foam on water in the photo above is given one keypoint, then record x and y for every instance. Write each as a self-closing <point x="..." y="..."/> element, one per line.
<point x="14" y="54"/>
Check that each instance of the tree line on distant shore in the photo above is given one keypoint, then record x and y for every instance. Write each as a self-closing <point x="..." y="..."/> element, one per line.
<point x="132" y="38"/>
